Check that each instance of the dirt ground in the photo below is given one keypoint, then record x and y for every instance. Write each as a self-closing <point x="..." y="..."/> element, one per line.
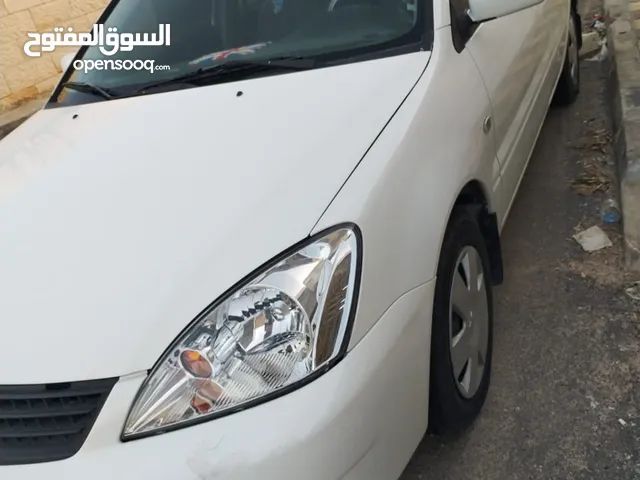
<point x="565" y="395"/>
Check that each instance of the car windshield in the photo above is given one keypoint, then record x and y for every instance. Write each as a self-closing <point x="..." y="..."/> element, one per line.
<point x="206" y="33"/>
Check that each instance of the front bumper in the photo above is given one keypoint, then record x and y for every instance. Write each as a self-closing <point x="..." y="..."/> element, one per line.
<point x="360" y="421"/>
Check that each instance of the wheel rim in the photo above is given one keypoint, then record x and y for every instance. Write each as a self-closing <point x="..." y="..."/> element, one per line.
<point x="573" y="50"/>
<point x="468" y="322"/>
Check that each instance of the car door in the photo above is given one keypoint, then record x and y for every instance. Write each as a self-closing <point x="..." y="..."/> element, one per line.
<point x="510" y="53"/>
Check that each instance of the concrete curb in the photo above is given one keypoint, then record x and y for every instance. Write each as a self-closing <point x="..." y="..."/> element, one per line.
<point x="624" y="96"/>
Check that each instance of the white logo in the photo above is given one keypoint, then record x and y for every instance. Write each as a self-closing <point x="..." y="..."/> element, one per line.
<point x="97" y="37"/>
<point x="149" y="65"/>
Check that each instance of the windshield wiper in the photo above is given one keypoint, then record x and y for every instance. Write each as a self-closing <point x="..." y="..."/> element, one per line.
<point x="233" y="67"/>
<point x="90" y="88"/>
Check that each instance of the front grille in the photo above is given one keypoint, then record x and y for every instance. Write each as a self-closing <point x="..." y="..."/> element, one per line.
<point x="44" y="423"/>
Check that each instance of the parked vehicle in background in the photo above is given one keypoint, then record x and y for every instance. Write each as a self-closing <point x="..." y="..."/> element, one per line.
<point x="275" y="259"/>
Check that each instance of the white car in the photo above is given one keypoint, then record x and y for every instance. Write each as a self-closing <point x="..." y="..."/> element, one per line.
<point x="270" y="256"/>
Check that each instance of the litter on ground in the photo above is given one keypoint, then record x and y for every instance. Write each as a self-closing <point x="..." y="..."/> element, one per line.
<point x="633" y="291"/>
<point x="593" y="239"/>
<point x="601" y="56"/>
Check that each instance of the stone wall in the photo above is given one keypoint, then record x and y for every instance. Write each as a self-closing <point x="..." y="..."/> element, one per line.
<point x="22" y="77"/>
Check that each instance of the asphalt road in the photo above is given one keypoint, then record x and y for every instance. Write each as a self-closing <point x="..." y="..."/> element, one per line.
<point x="565" y="394"/>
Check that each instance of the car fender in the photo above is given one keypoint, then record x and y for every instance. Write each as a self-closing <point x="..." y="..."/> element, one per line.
<point x="402" y="193"/>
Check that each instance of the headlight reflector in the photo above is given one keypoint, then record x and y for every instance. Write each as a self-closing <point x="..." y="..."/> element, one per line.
<point x="277" y="331"/>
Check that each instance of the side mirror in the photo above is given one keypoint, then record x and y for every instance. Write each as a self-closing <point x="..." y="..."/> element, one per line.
<point x="65" y="62"/>
<point x="482" y="10"/>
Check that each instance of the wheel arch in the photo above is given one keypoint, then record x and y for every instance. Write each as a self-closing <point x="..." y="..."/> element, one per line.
<point x="473" y="192"/>
<point x="474" y="196"/>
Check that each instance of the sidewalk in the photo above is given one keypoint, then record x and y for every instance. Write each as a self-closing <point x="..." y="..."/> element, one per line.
<point x="623" y="17"/>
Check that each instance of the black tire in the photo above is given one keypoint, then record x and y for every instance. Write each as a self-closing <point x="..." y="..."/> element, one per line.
<point x="568" y="86"/>
<point x="450" y="413"/>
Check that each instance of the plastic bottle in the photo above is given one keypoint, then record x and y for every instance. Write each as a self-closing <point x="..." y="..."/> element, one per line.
<point x="610" y="211"/>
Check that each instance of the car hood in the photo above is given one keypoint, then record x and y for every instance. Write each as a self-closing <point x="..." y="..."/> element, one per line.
<point x="120" y="221"/>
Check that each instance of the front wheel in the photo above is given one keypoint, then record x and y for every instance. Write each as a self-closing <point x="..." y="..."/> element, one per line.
<point x="569" y="83"/>
<point x="462" y="331"/>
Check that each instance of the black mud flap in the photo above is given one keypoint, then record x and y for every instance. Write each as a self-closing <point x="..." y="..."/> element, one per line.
<point x="491" y="232"/>
<point x="578" y="20"/>
<point x="488" y="223"/>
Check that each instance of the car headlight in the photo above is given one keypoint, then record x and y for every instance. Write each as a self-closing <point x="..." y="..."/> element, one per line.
<point x="285" y="326"/>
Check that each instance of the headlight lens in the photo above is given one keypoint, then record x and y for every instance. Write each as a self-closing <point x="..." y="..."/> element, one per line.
<point x="279" y="330"/>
